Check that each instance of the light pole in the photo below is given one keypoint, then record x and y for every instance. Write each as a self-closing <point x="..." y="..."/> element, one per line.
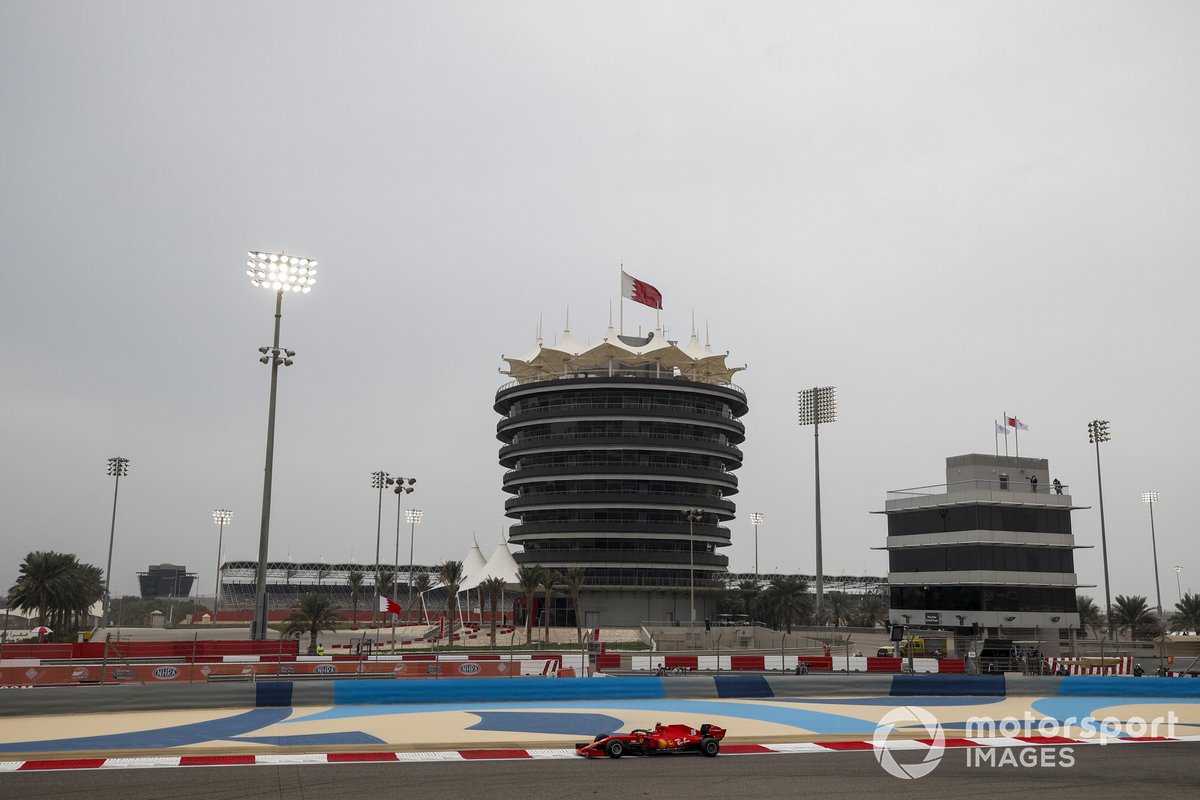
<point x="1150" y="498"/>
<point x="117" y="468"/>
<point x="378" y="481"/>
<point x="280" y="273"/>
<point x="220" y="517"/>
<point x="413" y="515"/>
<point x="693" y="515"/>
<point x="403" y="486"/>
<point x="1097" y="433"/>
<point x="756" y="520"/>
<point x="818" y="405"/>
<point x="1178" y="569"/>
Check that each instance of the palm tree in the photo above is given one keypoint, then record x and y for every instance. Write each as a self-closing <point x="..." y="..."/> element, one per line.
<point x="1187" y="614"/>
<point x="493" y="590"/>
<point x="786" y="601"/>
<point x="387" y="580"/>
<point x="838" y="606"/>
<point x="355" y="580"/>
<point x="44" y="581"/>
<point x="313" y="613"/>
<point x="422" y="583"/>
<point x="871" y="611"/>
<point x="85" y="589"/>
<point x="528" y="578"/>
<point x="1132" y="613"/>
<point x="450" y="573"/>
<point x="573" y="582"/>
<point x="1089" y="614"/>
<point x="549" y="581"/>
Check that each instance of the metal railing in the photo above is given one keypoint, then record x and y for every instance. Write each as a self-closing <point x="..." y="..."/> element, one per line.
<point x="602" y="374"/>
<point x="665" y="409"/>
<point x="1016" y="487"/>
<point x="523" y="440"/>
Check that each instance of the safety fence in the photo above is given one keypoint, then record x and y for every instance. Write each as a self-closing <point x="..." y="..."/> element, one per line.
<point x="31" y="672"/>
<point x="776" y="663"/>
<point x="194" y="649"/>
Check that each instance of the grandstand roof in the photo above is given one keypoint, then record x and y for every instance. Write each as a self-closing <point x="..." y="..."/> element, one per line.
<point x="283" y="570"/>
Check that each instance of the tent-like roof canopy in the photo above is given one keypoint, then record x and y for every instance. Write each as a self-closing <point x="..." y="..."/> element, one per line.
<point x="500" y="565"/>
<point x="473" y="562"/>
<point x="654" y="355"/>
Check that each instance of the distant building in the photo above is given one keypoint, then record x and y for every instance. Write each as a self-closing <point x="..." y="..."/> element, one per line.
<point x="605" y="447"/>
<point x="166" y="580"/>
<point x="988" y="553"/>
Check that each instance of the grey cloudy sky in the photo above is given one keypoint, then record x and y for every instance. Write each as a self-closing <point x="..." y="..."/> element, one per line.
<point x="946" y="209"/>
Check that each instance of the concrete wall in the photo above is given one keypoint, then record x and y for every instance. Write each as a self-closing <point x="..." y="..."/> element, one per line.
<point x="106" y="699"/>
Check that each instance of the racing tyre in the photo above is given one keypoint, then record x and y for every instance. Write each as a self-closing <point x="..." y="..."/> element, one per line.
<point x="615" y="748"/>
<point x="710" y="747"/>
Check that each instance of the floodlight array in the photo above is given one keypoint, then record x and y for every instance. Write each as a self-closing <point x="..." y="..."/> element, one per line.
<point x="756" y="518"/>
<point x="413" y="515"/>
<point x="222" y="516"/>
<point x="818" y="405"/>
<point x="403" y="485"/>
<point x="379" y="480"/>
<point x="1098" y="431"/>
<point x="281" y="272"/>
<point x="118" y="467"/>
<point x="1149" y="497"/>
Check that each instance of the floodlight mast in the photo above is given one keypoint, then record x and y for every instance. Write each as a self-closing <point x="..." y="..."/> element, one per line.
<point x="403" y="486"/>
<point x="818" y="405"/>
<point x="221" y="516"/>
<point x="378" y="481"/>
<point x="413" y="515"/>
<point x="756" y="520"/>
<point x="1150" y="498"/>
<point x="280" y="273"/>
<point x="118" y="468"/>
<point x="1097" y="433"/>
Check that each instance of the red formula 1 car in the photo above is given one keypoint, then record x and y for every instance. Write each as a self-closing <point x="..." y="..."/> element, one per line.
<point x="661" y="739"/>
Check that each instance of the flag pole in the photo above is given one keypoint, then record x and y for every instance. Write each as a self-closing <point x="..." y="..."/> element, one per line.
<point x="621" y="295"/>
<point x="1017" y="437"/>
<point x="996" y="436"/>
<point x="1005" y="418"/>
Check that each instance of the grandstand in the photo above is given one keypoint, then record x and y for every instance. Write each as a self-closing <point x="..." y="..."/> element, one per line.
<point x="287" y="582"/>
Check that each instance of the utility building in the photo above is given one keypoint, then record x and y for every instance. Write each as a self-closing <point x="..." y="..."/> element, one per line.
<point x="990" y="552"/>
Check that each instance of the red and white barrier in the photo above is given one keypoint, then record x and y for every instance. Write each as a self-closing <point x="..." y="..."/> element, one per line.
<point x="1116" y="665"/>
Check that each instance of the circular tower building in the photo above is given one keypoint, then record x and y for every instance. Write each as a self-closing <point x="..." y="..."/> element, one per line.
<point x="605" y="448"/>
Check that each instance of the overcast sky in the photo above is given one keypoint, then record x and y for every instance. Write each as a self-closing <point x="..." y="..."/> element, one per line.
<point x="948" y="210"/>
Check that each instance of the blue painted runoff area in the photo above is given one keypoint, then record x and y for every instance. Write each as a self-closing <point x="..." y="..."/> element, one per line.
<point x="948" y="686"/>
<point x="743" y="686"/>
<point x="1127" y="686"/>
<point x="273" y="695"/>
<point x="483" y="690"/>
<point x="174" y="736"/>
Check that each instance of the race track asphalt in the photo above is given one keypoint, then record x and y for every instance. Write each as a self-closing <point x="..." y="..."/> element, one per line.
<point x="1159" y="769"/>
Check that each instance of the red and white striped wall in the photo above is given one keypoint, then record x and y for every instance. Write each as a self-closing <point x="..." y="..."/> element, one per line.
<point x="281" y="759"/>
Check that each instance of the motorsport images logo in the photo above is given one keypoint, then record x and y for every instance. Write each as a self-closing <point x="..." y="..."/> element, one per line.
<point x="906" y="716"/>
